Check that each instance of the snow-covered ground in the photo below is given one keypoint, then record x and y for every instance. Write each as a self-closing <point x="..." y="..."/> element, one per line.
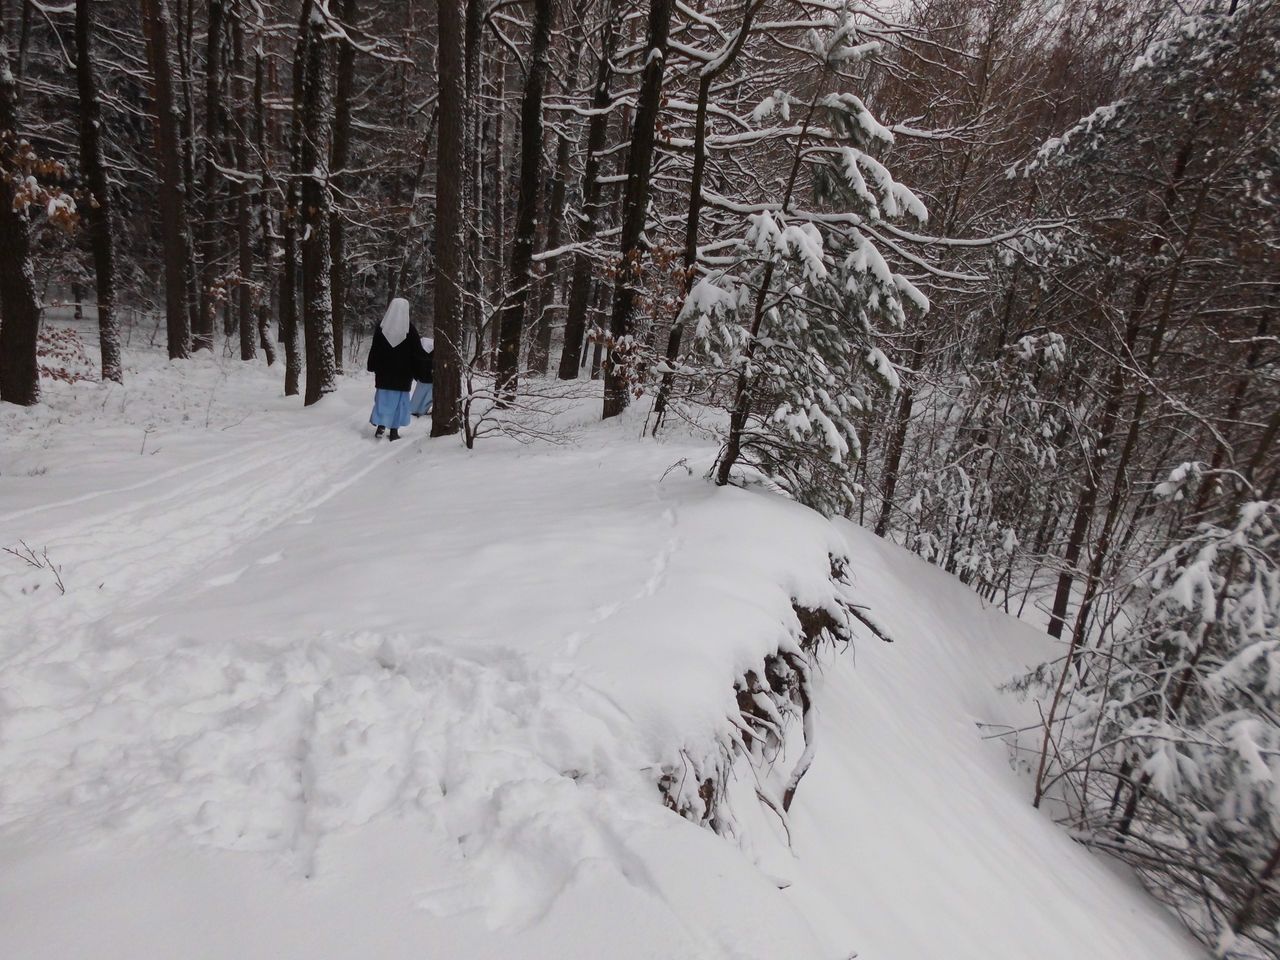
<point x="308" y="694"/>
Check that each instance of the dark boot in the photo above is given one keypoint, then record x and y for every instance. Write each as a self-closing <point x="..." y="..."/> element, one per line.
<point x="380" y="431"/>
<point x="395" y="434"/>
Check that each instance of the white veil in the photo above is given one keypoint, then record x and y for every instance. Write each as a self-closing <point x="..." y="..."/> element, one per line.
<point x="395" y="322"/>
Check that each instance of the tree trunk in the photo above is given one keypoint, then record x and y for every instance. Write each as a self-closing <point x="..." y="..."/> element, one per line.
<point x="635" y="207"/>
<point x="551" y="229"/>
<point x="472" y="276"/>
<point x="341" y="154"/>
<point x="173" y="214"/>
<point x="213" y="136"/>
<point x="694" y="217"/>
<point x="97" y="212"/>
<point x="24" y="37"/>
<point x="450" y="194"/>
<point x="419" y="172"/>
<point x="292" y="211"/>
<point x="575" y="325"/>
<point x="498" y="255"/>
<point x="1121" y="484"/>
<point x="540" y="348"/>
<point x="741" y="409"/>
<point x="266" y="232"/>
<point x="245" y="317"/>
<point x="604" y="293"/>
<point x="897" y="442"/>
<point x="19" y="309"/>
<point x="317" y="119"/>
<point x="1114" y="394"/>
<point x="184" y="42"/>
<point x="527" y="202"/>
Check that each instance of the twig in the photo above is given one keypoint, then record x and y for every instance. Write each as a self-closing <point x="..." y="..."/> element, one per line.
<point x="40" y="561"/>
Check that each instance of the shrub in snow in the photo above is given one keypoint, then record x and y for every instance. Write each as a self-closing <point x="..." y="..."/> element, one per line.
<point x="1171" y="755"/>
<point x="62" y="356"/>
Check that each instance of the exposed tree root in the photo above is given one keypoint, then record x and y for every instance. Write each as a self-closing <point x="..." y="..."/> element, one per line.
<point x="770" y="698"/>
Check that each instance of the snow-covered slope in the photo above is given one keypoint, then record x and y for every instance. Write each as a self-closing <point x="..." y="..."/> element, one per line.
<point x="310" y="695"/>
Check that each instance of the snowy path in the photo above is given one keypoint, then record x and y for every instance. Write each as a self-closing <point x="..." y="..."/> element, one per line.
<point x="308" y="695"/>
<point x="179" y="523"/>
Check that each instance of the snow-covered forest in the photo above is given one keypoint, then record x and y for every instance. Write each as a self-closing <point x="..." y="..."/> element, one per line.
<point x="731" y="306"/>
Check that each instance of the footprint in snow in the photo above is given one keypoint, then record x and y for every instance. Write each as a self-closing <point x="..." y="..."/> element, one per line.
<point x="607" y="610"/>
<point x="226" y="578"/>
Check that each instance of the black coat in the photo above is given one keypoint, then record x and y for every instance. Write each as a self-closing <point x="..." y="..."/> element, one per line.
<point x="394" y="368"/>
<point x="425" y="364"/>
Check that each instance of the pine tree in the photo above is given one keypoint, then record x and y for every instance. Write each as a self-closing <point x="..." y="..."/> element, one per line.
<point x="793" y="325"/>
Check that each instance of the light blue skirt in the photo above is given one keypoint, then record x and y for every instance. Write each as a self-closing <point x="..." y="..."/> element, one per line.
<point x="390" y="409"/>
<point x="421" y="401"/>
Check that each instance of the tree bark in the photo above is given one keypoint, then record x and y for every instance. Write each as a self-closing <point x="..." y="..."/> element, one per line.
<point x="213" y="108"/>
<point x="245" y="316"/>
<point x="551" y="229"/>
<point x="173" y="212"/>
<point x="184" y="43"/>
<point x="424" y="153"/>
<point x="316" y="131"/>
<point x="527" y="202"/>
<point x="266" y="232"/>
<point x="540" y="347"/>
<point x="635" y="206"/>
<point x="575" y="326"/>
<point x="97" y="212"/>
<point x="472" y="277"/>
<point x="498" y="254"/>
<point x="292" y="211"/>
<point x="341" y="154"/>
<point x="19" y="309"/>
<point x="450" y="193"/>
<point x="24" y="37"/>
<point x="897" y="443"/>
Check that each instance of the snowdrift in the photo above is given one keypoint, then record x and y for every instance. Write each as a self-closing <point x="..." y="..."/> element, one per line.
<point x="309" y="695"/>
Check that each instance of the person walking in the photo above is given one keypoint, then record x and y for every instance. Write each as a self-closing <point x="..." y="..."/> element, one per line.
<point x="420" y="402"/>
<point x="394" y="358"/>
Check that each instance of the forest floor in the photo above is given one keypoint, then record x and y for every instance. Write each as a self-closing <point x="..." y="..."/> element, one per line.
<point x="274" y="689"/>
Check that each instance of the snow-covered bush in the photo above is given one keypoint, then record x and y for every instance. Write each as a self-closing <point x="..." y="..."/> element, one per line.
<point x="1171" y="754"/>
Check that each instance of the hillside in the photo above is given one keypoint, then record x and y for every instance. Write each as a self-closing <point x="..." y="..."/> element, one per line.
<point x="312" y="695"/>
